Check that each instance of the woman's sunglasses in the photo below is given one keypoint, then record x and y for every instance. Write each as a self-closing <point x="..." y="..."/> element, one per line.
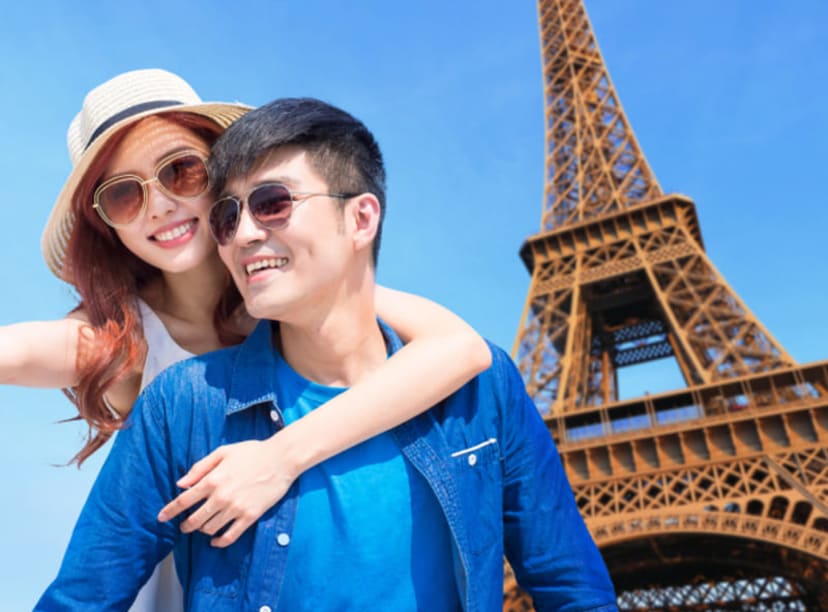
<point x="270" y="205"/>
<point x="121" y="199"/>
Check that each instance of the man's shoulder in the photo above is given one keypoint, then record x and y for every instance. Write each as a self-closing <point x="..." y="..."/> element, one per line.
<point x="500" y="358"/>
<point x="503" y="371"/>
<point x="495" y="385"/>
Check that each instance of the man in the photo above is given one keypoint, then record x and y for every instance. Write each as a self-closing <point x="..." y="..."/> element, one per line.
<point x="413" y="519"/>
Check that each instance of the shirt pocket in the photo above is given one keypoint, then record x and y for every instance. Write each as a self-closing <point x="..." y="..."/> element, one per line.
<point x="479" y="474"/>
<point x="483" y="453"/>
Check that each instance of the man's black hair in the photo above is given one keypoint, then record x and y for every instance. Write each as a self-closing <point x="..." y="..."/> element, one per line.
<point x="339" y="146"/>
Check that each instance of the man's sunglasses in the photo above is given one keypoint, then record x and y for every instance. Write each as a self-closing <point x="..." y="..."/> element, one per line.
<point x="121" y="199"/>
<point x="270" y="205"/>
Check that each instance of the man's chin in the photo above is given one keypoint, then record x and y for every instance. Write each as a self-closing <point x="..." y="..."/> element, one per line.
<point x="260" y="308"/>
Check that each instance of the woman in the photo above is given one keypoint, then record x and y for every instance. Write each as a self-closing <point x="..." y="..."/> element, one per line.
<point x="129" y="232"/>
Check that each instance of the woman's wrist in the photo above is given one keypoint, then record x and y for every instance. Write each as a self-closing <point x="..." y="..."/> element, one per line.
<point x="291" y="450"/>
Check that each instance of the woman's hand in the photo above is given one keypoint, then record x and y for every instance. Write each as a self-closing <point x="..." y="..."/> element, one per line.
<point x="237" y="483"/>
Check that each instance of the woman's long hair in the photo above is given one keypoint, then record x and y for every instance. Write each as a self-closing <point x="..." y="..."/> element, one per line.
<point x="108" y="278"/>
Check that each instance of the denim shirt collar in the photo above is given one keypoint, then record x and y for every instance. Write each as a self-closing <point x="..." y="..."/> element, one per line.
<point x="254" y="380"/>
<point x="255" y="361"/>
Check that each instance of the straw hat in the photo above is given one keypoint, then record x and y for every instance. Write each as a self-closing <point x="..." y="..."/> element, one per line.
<point x="106" y="109"/>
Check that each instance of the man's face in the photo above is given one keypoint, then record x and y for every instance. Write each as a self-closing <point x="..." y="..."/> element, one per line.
<point x="289" y="274"/>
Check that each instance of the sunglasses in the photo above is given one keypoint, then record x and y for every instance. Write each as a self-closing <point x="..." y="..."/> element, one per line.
<point x="270" y="205"/>
<point x="120" y="199"/>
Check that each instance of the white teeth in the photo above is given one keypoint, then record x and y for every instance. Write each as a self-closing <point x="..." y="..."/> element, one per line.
<point x="175" y="232"/>
<point x="261" y="264"/>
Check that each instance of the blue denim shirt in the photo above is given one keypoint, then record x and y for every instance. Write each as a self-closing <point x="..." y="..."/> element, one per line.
<point x="484" y="451"/>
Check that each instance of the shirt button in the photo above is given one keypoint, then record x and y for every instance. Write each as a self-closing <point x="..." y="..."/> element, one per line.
<point x="274" y="416"/>
<point x="264" y="609"/>
<point x="283" y="539"/>
<point x="472" y="459"/>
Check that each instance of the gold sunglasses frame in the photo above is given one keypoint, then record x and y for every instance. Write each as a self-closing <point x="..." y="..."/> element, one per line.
<point x="144" y="182"/>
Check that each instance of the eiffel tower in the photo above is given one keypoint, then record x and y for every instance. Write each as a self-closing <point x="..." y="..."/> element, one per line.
<point x="710" y="497"/>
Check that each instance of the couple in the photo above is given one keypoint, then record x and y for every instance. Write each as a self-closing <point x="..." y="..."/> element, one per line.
<point x="392" y="509"/>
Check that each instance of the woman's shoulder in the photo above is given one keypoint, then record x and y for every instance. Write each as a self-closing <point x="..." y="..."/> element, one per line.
<point x="199" y="370"/>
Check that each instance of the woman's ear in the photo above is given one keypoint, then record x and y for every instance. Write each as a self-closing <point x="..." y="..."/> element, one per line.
<point x="364" y="213"/>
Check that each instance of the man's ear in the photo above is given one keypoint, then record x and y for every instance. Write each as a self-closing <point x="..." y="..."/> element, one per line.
<point x="364" y="213"/>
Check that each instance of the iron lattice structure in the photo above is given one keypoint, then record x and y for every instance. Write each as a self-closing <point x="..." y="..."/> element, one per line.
<point x="711" y="497"/>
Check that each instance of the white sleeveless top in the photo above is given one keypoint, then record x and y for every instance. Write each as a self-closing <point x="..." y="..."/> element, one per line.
<point x="162" y="592"/>
<point x="162" y="350"/>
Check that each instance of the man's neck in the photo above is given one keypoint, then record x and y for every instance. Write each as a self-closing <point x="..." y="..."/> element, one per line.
<point x="340" y="345"/>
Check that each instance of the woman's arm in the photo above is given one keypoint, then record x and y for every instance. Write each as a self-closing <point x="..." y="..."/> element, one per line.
<point x="442" y="353"/>
<point x="40" y="353"/>
<point x="239" y="482"/>
<point x="46" y="353"/>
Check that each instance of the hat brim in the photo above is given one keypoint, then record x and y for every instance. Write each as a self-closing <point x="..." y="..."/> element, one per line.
<point x="61" y="221"/>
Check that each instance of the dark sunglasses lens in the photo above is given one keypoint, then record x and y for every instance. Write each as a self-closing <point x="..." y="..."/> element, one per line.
<point x="223" y="220"/>
<point x="122" y="200"/>
<point x="271" y="205"/>
<point x="184" y="176"/>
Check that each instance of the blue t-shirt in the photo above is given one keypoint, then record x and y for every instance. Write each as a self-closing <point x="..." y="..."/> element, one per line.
<point x="369" y="532"/>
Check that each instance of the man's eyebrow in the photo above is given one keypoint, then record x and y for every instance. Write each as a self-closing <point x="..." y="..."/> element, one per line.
<point x="288" y="181"/>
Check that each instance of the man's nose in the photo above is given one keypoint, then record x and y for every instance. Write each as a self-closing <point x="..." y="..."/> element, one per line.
<point x="248" y="230"/>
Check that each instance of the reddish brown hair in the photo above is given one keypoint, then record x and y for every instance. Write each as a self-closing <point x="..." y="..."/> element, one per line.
<point x="108" y="278"/>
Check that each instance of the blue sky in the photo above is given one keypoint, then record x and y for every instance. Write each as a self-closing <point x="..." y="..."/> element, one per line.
<point x="727" y="100"/>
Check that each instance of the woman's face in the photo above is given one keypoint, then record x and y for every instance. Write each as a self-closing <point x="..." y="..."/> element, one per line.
<point x="170" y="233"/>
